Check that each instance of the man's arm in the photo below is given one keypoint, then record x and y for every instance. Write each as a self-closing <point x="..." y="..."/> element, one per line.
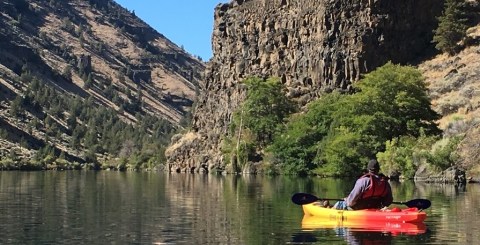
<point x="357" y="191"/>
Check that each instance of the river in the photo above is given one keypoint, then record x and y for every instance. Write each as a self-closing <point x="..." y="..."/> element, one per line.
<point x="88" y="207"/>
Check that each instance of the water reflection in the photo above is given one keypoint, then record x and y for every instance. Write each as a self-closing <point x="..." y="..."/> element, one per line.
<point x="81" y="207"/>
<point x="395" y="228"/>
<point x="351" y="237"/>
<point x="356" y="232"/>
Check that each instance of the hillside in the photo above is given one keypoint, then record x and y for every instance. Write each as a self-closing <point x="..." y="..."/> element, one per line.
<point x="454" y="84"/>
<point x="65" y="63"/>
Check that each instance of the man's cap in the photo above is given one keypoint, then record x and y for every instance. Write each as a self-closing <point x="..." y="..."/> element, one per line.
<point x="373" y="165"/>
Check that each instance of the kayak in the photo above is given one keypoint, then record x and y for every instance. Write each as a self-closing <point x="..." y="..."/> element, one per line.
<point x="313" y="222"/>
<point x="407" y="215"/>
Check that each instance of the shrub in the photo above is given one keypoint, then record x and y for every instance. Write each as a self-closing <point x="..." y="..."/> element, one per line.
<point x="443" y="153"/>
<point x="403" y="155"/>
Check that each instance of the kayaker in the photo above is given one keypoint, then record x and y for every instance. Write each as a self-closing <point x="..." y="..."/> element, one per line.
<point x="372" y="190"/>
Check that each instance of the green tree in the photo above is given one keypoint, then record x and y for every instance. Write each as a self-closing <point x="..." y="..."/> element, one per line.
<point x="451" y="27"/>
<point x="256" y="120"/>
<point x="88" y="82"/>
<point x="338" y="133"/>
<point x="393" y="100"/>
<point x="265" y="107"/>
<point x="16" y="106"/>
<point x="295" y="147"/>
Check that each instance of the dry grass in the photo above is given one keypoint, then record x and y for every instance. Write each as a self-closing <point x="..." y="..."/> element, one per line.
<point x="186" y="139"/>
<point x="454" y="82"/>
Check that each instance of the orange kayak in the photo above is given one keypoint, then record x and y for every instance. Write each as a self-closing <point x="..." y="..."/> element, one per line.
<point x="396" y="215"/>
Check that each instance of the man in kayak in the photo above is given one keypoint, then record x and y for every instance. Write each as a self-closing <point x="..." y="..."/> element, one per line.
<point x="372" y="190"/>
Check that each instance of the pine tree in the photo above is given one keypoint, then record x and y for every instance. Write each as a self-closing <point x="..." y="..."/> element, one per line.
<point x="451" y="27"/>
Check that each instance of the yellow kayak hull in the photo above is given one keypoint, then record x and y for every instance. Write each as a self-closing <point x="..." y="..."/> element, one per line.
<point x="313" y="222"/>
<point x="396" y="215"/>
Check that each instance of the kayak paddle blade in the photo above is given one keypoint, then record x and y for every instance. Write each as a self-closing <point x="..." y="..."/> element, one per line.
<point x="419" y="203"/>
<point x="303" y="198"/>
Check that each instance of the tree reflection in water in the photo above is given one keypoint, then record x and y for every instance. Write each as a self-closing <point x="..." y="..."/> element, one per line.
<point x="355" y="237"/>
<point x="350" y="236"/>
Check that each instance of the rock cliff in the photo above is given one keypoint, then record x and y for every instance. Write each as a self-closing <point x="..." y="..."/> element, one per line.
<point x="312" y="46"/>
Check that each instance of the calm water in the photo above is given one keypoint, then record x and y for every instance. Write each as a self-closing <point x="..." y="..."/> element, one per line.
<point x="86" y="207"/>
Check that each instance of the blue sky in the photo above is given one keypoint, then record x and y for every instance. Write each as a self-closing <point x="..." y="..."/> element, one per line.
<point x="187" y="23"/>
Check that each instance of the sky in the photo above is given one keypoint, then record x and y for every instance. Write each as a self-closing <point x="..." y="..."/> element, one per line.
<point x="187" y="23"/>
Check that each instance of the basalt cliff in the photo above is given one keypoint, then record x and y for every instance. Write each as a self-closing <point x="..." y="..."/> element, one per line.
<point x="311" y="46"/>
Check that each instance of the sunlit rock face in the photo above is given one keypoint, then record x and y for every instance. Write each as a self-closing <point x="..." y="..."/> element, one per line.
<point x="311" y="46"/>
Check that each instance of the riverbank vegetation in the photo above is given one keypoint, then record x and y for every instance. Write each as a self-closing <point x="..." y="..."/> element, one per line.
<point x="387" y="116"/>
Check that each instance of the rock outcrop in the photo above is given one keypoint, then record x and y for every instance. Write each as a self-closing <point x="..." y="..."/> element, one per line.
<point x="311" y="46"/>
<point x="452" y="175"/>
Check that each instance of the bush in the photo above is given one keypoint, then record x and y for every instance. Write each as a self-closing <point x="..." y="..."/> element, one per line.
<point x="403" y="155"/>
<point x="443" y="153"/>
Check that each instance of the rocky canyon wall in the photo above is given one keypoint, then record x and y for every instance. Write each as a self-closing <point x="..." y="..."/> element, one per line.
<point x="313" y="47"/>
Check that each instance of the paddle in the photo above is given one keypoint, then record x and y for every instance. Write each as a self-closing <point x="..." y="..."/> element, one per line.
<point x="305" y="198"/>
